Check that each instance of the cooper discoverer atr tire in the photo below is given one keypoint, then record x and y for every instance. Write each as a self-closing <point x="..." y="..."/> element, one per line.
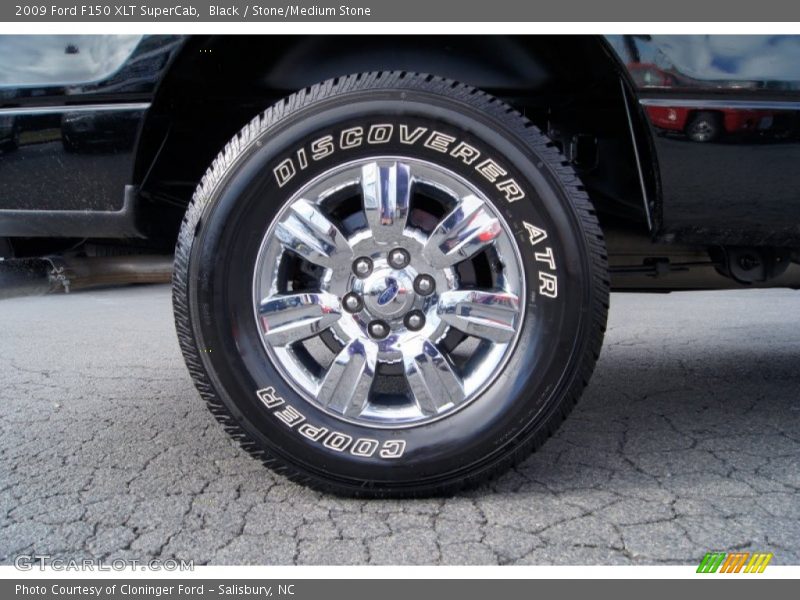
<point x="390" y="284"/>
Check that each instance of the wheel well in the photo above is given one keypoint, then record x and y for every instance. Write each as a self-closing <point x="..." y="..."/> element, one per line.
<point x="569" y="86"/>
<point x="717" y="114"/>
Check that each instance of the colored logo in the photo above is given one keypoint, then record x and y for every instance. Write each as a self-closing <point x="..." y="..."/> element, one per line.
<point x="734" y="562"/>
<point x="389" y="293"/>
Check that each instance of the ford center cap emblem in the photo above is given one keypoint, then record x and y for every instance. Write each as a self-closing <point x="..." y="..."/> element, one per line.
<point x="388" y="294"/>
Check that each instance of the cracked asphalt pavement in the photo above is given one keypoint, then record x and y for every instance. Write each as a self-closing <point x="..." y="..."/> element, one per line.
<point x="687" y="440"/>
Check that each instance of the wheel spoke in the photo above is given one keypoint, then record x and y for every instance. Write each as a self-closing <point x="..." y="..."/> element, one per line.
<point x="433" y="382"/>
<point x="488" y="315"/>
<point x="294" y="317"/>
<point x="345" y="388"/>
<point x="467" y="229"/>
<point x="386" y="190"/>
<point x="311" y="234"/>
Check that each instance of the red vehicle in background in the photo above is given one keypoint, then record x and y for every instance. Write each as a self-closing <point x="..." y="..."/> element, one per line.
<point x="709" y="125"/>
<point x="698" y="124"/>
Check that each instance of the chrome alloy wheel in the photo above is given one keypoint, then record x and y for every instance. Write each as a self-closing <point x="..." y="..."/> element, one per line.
<point x="389" y="291"/>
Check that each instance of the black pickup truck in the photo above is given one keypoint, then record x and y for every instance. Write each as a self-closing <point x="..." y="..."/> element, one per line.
<point x="391" y="256"/>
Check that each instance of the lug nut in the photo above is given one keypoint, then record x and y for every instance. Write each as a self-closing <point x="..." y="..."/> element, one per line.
<point x="424" y="285"/>
<point x="352" y="302"/>
<point x="415" y="320"/>
<point x="398" y="258"/>
<point x="362" y="267"/>
<point x="378" y="329"/>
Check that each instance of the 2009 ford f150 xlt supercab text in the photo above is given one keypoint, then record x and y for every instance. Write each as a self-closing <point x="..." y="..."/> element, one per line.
<point x="393" y="255"/>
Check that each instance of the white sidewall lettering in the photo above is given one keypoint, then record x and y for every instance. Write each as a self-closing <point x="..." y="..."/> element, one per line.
<point x="383" y="133"/>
